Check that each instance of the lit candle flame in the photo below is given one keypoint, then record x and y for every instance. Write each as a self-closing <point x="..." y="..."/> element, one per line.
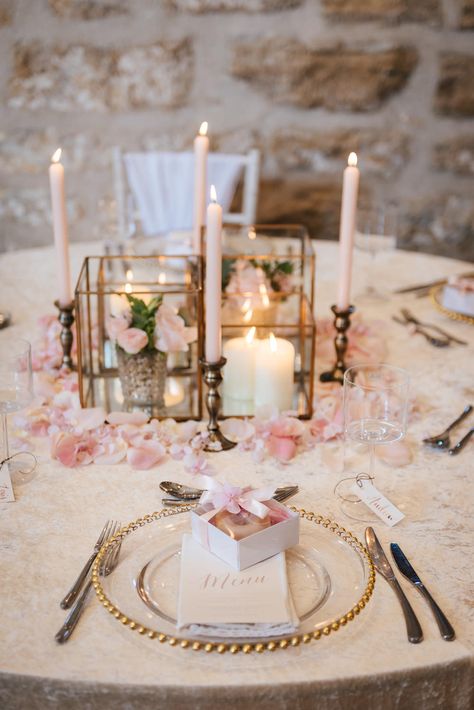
<point x="252" y="233"/>
<point x="352" y="160"/>
<point x="129" y="275"/>
<point x="250" y="335"/>
<point x="264" y="294"/>
<point x="273" y="343"/>
<point x="162" y="278"/>
<point x="213" y="194"/>
<point x="128" y="288"/>
<point x="56" y="157"/>
<point x="203" y="128"/>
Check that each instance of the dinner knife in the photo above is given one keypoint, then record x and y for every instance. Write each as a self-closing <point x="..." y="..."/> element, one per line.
<point x="383" y="567"/>
<point x="446" y="630"/>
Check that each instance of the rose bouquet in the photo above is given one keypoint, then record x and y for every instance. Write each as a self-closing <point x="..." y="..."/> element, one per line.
<point x="144" y="333"/>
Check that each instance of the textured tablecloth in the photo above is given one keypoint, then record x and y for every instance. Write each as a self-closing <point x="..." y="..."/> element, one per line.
<point x="47" y="533"/>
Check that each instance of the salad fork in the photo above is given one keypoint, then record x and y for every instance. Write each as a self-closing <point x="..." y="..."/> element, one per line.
<point x="73" y="593"/>
<point x="107" y="566"/>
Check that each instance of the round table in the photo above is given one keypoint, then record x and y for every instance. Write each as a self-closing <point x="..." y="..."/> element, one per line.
<point x="47" y="534"/>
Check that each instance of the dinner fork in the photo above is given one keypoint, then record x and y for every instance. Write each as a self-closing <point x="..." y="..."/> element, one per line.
<point x="73" y="593"/>
<point x="410" y="318"/>
<point x="437" y="342"/>
<point x="108" y="564"/>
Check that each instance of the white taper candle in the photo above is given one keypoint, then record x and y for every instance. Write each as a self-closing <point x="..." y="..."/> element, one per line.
<point x="201" y="149"/>
<point x="58" y="203"/>
<point x="213" y="348"/>
<point x="350" y="188"/>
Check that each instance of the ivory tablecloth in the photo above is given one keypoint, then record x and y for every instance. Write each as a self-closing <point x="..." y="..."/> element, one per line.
<point x="47" y="533"/>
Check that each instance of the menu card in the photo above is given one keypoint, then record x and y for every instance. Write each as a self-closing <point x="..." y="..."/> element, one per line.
<point x="216" y="600"/>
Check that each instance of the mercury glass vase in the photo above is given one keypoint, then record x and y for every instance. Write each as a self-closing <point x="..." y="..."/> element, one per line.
<point x="143" y="377"/>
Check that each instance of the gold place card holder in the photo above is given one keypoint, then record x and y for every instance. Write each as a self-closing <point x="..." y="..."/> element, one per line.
<point x="102" y="292"/>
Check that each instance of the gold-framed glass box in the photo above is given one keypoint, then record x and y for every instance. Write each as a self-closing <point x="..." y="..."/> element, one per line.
<point x="101" y="293"/>
<point x="268" y="281"/>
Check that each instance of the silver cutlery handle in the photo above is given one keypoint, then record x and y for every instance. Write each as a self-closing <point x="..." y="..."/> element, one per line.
<point x="467" y="410"/>
<point x="175" y="502"/>
<point x="461" y="444"/>
<point x="73" y="593"/>
<point x="65" y="632"/>
<point x="446" y="630"/>
<point x="414" y="631"/>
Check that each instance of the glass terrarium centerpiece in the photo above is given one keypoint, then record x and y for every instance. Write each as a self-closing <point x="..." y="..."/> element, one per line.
<point x="268" y="328"/>
<point x="140" y="334"/>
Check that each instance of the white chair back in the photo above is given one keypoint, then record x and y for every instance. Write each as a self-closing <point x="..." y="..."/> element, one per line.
<point x="128" y="212"/>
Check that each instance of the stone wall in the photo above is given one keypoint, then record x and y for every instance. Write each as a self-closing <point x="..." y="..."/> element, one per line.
<point x="306" y="81"/>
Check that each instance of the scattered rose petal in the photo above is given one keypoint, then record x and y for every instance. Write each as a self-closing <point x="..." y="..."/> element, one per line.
<point x="145" y="453"/>
<point x="237" y="429"/>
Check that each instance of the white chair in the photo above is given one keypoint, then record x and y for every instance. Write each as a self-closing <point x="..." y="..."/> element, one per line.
<point x="171" y="175"/>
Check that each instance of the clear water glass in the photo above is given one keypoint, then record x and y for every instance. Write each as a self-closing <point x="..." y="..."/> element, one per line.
<point x="375" y="413"/>
<point x="376" y="233"/>
<point x="16" y="383"/>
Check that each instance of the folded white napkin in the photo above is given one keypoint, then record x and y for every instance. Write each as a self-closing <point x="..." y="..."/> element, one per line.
<point x="162" y="185"/>
<point x="216" y="600"/>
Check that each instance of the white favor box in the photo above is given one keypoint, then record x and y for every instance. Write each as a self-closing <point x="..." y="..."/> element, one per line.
<point x="241" y="554"/>
<point x="457" y="300"/>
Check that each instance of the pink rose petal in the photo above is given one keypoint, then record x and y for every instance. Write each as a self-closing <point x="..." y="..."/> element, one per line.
<point x="282" y="448"/>
<point x="145" y="454"/>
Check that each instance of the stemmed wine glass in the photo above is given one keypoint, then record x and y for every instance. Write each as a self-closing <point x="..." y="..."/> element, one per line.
<point x="375" y="412"/>
<point x="16" y="384"/>
<point x="376" y="230"/>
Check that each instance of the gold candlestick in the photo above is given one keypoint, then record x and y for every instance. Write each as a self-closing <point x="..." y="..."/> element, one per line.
<point x="213" y="377"/>
<point x="342" y="322"/>
<point x="66" y="318"/>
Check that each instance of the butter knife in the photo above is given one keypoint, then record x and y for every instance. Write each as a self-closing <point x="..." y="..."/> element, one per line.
<point x="446" y="630"/>
<point x="383" y="567"/>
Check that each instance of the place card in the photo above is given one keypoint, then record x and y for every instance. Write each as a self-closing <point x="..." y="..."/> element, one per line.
<point x="376" y="502"/>
<point x="6" y="488"/>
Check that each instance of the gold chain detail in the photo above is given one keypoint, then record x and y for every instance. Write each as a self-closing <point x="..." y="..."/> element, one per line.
<point x="260" y="646"/>
<point x="454" y="315"/>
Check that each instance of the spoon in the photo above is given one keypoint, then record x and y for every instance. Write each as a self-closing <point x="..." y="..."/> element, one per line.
<point x="280" y="495"/>
<point x="410" y="318"/>
<point x="442" y="440"/>
<point x="182" y="492"/>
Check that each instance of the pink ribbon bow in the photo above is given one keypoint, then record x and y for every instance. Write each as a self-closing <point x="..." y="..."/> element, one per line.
<point x="223" y="496"/>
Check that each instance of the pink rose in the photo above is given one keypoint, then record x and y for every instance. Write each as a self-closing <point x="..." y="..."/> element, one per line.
<point x="116" y="325"/>
<point x="132" y="340"/>
<point x="282" y="448"/>
<point x="171" y="333"/>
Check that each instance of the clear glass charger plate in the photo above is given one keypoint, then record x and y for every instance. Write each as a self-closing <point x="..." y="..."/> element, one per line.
<point x="330" y="574"/>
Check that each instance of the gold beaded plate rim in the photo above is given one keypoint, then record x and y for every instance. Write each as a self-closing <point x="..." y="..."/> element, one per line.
<point x="435" y="295"/>
<point x="259" y="647"/>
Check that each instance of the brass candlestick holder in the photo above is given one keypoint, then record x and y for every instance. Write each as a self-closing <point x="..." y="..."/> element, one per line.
<point x="66" y="318"/>
<point x="213" y="377"/>
<point x="342" y="321"/>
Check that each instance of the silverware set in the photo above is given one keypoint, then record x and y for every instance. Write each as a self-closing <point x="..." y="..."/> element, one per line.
<point x="384" y="568"/>
<point x="442" y="441"/>
<point x="185" y="494"/>
<point x="420" y="290"/>
<point x="74" y="599"/>
<point x="436" y="336"/>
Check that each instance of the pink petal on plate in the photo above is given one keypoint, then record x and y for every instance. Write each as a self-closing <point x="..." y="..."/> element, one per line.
<point x="146" y="455"/>
<point x="396" y="454"/>
<point x="237" y="429"/>
<point x="137" y="418"/>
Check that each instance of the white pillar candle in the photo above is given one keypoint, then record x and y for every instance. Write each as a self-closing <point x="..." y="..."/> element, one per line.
<point x="274" y="373"/>
<point x="213" y="279"/>
<point x="58" y="204"/>
<point x="350" y="188"/>
<point x="201" y="149"/>
<point x="239" y="372"/>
